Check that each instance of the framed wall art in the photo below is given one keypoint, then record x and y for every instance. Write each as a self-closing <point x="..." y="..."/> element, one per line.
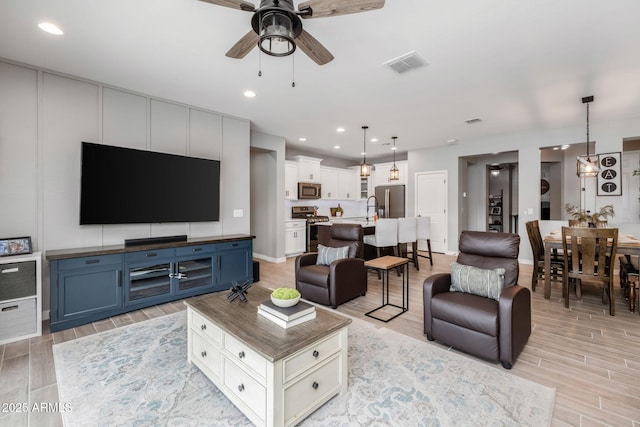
<point x="15" y="246"/>
<point x="609" y="176"/>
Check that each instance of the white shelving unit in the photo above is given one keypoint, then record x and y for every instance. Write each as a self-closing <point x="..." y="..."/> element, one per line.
<point x="20" y="297"/>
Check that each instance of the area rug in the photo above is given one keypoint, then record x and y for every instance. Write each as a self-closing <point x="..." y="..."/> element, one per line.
<point x="138" y="375"/>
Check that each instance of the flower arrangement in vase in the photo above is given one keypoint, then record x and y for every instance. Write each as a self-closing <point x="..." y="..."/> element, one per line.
<point x="587" y="219"/>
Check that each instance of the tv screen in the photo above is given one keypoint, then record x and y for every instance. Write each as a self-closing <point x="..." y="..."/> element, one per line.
<point x="125" y="186"/>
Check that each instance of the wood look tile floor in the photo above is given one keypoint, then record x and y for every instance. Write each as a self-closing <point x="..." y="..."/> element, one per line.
<point x="590" y="358"/>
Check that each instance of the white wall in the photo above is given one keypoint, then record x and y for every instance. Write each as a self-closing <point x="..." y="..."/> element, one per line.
<point x="608" y="136"/>
<point x="44" y="116"/>
<point x="267" y="193"/>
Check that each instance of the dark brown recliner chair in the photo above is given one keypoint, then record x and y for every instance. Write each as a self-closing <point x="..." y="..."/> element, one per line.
<point x="343" y="279"/>
<point x="494" y="330"/>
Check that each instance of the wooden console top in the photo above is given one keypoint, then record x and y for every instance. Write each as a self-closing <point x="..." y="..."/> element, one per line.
<point x="273" y="342"/>
<point x="118" y="249"/>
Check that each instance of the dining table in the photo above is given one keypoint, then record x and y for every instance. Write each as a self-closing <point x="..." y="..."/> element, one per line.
<point x="627" y="245"/>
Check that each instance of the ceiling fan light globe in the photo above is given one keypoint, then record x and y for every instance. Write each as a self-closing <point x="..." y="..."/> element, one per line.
<point x="276" y="34"/>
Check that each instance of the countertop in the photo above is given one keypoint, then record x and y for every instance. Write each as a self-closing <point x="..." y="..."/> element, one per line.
<point x="357" y="220"/>
<point x="116" y="249"/>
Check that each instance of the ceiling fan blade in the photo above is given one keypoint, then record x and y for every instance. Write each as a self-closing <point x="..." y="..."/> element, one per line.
<point x="313" y="48"/>
<point x="234" y="4"/>
<point x="320" y="8"/>
<point x="244" y="45"/>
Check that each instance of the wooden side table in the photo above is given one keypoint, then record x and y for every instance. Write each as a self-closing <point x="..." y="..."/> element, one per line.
<point x="385" y="264"/>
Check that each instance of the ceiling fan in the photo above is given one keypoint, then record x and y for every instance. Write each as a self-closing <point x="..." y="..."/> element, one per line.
<point x="277" y="27"/>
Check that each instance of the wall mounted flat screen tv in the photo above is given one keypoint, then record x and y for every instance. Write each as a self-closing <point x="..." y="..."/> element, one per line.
<point x="126" y="186"/>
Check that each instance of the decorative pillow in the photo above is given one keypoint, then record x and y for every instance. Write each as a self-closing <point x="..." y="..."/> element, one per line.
<point x="477" y="281"/>
<point x="327" y="254"/>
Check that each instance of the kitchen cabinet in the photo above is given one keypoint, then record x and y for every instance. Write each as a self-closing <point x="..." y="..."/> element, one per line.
<point x="383" y="170"/>
<point x="290" y="180"/>
<point x="308" y="169"/>
<point x="295" y="237"/>
<point x="338" y="184"/>
<point x="363" y="184"/>
<point x="329" y="181"/>
<point x="347" y="185"/>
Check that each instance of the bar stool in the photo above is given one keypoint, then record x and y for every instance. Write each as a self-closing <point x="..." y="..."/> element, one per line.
<point x="408" y="233"/>
<point x="423" y="226"/>
<point x="386" y="236"/>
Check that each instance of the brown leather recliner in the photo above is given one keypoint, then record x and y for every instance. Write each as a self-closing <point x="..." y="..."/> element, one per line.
<point x="490" y="329"/>
<point x="343" y="279"/>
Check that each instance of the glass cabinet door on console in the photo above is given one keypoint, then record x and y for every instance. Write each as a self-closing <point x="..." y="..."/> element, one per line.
<point x="149" y="281"/>
<point x="193" y="274"/>
<point x="149" y="275"/>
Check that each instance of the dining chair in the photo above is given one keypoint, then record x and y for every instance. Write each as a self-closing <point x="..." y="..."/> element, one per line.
<point x="592" y="256"/>
<point x="423" y="229"/>
<point x="408" y="233"/>
<point x="537" y="247"/>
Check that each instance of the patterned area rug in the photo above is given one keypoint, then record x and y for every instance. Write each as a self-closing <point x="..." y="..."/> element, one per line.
<point x="139" y="375"/>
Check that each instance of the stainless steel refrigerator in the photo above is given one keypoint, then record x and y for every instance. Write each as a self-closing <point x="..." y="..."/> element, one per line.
<point x="390" y="201"/>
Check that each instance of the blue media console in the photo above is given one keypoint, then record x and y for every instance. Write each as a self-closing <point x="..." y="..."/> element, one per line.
<point x="90" y="284"/>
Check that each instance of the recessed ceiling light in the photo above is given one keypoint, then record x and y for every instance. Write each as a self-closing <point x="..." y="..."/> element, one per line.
<point x="302" y="139"/>
<point x="249" y="94"/>
<point x="394" y="148"/>
<point x="340" y="130"/>
<point x="452" y="141"/>
<point x="50" y="28"/>
<point x="374" y="139"/>
<point x="337" y="147"/>
<point x="556" y="148"/>
<point x="564" y="147"/>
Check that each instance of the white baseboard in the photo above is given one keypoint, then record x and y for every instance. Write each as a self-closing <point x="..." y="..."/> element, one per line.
<point x="269" y="259"/>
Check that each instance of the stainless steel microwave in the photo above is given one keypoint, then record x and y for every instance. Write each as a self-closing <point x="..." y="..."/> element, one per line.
<point x="309" y="190"/>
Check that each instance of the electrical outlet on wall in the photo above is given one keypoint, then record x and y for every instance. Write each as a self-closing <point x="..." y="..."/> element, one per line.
<point x="238" y="213"/>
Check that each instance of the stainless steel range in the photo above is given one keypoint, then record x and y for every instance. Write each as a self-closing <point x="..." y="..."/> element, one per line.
<point x="310" y="214"/>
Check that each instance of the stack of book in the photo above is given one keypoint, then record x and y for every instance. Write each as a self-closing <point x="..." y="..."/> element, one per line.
<point x="287" y="317"/>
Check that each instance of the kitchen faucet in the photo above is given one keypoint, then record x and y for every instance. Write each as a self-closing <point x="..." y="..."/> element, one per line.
<point x="375" y="206"/>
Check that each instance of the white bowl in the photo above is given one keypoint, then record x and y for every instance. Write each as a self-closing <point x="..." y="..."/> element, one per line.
<point x="285" y="302"/>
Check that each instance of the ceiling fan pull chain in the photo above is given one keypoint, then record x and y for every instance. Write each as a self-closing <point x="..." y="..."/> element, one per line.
<point x="293" y="72"/>
<point x="260" y="52"/>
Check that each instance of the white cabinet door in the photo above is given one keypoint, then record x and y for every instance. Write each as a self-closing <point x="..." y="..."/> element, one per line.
<point x="329" y="181"/>
<point x="295" y="237"/>
<point x="308" y="169"/>
<point x="290" y="180"/>
<point x="347" y="189"/>
<point x="383" y="171"/>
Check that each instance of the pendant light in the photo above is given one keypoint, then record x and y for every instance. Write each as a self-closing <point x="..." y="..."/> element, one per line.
<point x="587" y="166"/>
<point x="394" y="173"/>
<point x="365" y="169"/>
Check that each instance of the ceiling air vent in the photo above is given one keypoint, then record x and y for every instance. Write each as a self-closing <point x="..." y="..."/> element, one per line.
<point x="473" y="121"/>
<point x="407" y="62"/>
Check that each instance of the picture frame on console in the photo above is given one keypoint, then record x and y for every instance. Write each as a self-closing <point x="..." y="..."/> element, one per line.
<point x="15" y="246"/>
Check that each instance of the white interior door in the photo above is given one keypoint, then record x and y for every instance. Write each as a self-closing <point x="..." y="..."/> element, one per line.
<point x="431" y="201"/>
